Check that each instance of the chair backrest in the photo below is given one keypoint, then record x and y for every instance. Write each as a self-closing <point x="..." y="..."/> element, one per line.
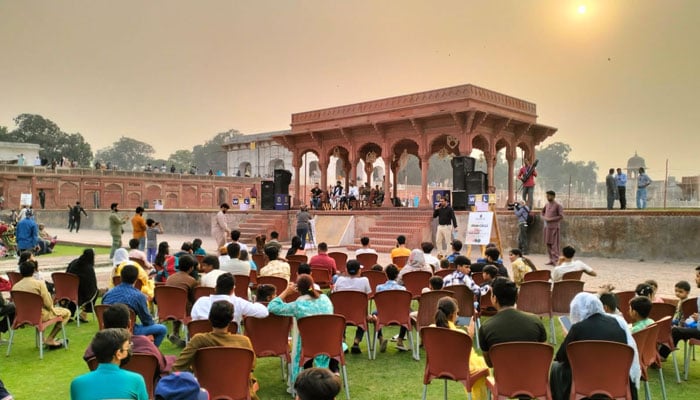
<point x="664" y="336"/>
<point x="588" y="378"/>
<point x="145" y="365"/>
<point x="253" y="275"/>
<point x="572" y="276"/>
<point x="535" y="297"/>
<point x="240" y="289"/>
<point x="231" y="382"/>
<point x="65" y="286"/>
<point x="442" y="273"/>
<point x="486" y="306"/>
<point x="269" y="335"/>
<point x="660" y="310"/>
<point x="689" y="307"/>
<point x="201" y="291"/>
<point x="646" y="346"/>
<point x="293" y="269"/>
<point x="204" y="326"/>
<point x="138" y="284"/>
<point x="322" y="277"/>
<point x="172" y="302"/>
<point x="260" y="260"/>
<point x="279" y="283"/>
<point x="415" y="281"/>
<point x="393" y="308"/>
<point x="340" y="259"/>
<point x="478" y="278"/>
<point x="27" y="308"/>
<point x="99" y="314"/>
<point x="465" y="299"/>
<point x="352" y="305"/>
<point x="562" y="294"/>
<point x="400" y="261"/>
<point x="367" y="260"/>
<point x="298" y="257"/>
<point x="14" y="277"/>
<point x="375" y="278"/>
<point x="539" y="275"/>
<point x="447" y="355"/>
<point x="321" y="334"/>
<point x="116" y="280"/>
<point x="138" y="261"/>
<point x="427" y="307"/>
<point x="623" y="301"/>
<point x="531" y="378"/>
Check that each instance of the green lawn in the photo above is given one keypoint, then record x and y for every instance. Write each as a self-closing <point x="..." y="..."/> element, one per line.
<point x="61" y="250"/>
<point x="391" y="376"/>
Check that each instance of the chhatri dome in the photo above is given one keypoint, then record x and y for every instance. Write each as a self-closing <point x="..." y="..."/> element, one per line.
<point x="635" y="162"/>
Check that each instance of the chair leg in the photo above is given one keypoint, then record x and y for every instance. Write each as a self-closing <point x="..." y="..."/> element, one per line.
<point x="345" y="382"/>
<point x="445" y="380"/>
<point x="41" y="346"/>
<point x="282" y="367"/>
<point x="686" y="362"/>
<point x="412" y="344"/>
<point x="675" y="365"/>
<point x="374" y="344"/>
<point x="9" y="344"/>
<point x="416" y="355"/>
<point x="647" y="395"/>
<point x="663" y="383"/>
<point x="65" y="338"/>
<point x="425" y="392"/>
<point x="369" y="343"/>
<point x="553" y="332"/>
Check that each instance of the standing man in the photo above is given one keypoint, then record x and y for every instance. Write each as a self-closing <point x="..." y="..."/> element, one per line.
<point x="552" y="214"/>
<point x="642" y="182"/>
<point x="611" y="188"/>
<point x="303" y="221"/>
<point x="220" y="230"/>
<point x="77" y="209"/>
<point x="522" y="212"/>
<point x="253" y="196"/>
<point x="138" y="224"/>
<point x="27" y="234"/>
<point x="115" y="228"/>
<point x="529" y="183"/>
<point x="316" y="196"/>
<point x="42" y="198"/>
<point x="446" y="222"/>
<point x="621" y="188"/>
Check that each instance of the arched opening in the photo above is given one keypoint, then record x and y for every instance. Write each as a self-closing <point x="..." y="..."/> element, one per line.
<point x="275" y="164"/>
<point x="245" y="169"/>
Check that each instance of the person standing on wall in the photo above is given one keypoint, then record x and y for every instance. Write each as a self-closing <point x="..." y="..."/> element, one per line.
<point x="303" y="221"/>
<point x="116" y="229"/>
<point x="138" y="225"/>
<point x="446" y="222"/>
<point x="611" y="188"/>
<point x="42" y="198"/>
<point x="253" y="196"/>
<point x="529" y="183"/>
<point x="621" y="188"/>
<point x="316" y="197"/>
<point x="77" y="209"/>
<point x="642" y="183"/>
<point x="552" y="214"/>
<point x="522" y="212"/>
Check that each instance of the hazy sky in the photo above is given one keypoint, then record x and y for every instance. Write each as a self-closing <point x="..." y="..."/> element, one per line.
<point x="623" y="76"/>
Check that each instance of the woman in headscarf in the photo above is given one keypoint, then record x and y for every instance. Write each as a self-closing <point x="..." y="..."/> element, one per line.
<point x="589" y="322"/>
<point x="84" y="267"/>
<point x="416" y="262"/>
<point x="121" y="258"/>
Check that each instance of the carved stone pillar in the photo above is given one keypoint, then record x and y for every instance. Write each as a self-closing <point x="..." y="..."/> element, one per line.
<point x="296" y="163"/>
<point x="510" y="157"/>
<point x="490" y="166"/>
<point x="424" y="166"/>
<point x="387" y="180"/>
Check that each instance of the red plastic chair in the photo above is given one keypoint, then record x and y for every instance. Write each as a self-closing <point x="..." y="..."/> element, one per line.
<point x="66" y="288"/>
<point x="661" y="310"/>
<point x="341" y="260"/>
<point x="322" y="277"/>
<point x="293" y="270"/>
<point x="393" y="308"/>
<point x="99" y="314"/>
<point x="367" y="260"/>
<point x="144" y="364"/>
<point x="297" y="257"/>
<point x="352" y="305"/>
<point x="232" y="382"/>
<point x="202" y="291"/>
<point x="623" y="301"/>
<point x="172" y="304"/>
<point x="116" y="280"/>
<point x="427" y="307"/>
<point x="28" y="312"/>
<point x="240" y="289"/>
<point x="14" y="277"/>
<point x="416" y="281"/>
<point x="562" y="294"/>
<point x="649" y="356"/>
<point x="204" y="325"/>
<point x="399" y="261"/>
<point x="323" y="334"/>
<point x="253" y="278"/>
<point x="530" y="379"/>
<point x="442" y="273"/>
<point x="375" y="278"/>
<point x="260" y="260"/>
<point x="539" y="275"/>
<point x="486" y="306"/>
<point x="688" y="308"/>
<point x="478" y="278"/>
<point x="447" y="355"/>
<point x="572" y="276"/>
<point x="270" y="338"/>
<point x="279" y="283"/>
<point x="536" y="297"/>
<point x="587" y="376"/>
<point x="465" y="300"/>
<point x="664" y="338"/>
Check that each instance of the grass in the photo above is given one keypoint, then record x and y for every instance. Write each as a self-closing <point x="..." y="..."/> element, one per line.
<point x="64" y="250"/>
<point x="391" y="376"/>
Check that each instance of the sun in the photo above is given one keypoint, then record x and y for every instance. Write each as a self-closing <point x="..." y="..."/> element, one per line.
<point x="582" y="9"/>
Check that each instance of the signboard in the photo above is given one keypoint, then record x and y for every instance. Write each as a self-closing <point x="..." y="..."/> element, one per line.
<point x="25" y="199"/>
<point x="281" y="202"/>
<point x="479" y="228"/>
<point x="234" y="201"/>
<point x="440" y="194"/>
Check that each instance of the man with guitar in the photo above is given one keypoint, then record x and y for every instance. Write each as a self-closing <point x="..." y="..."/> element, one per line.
<point x="527" y="176"/>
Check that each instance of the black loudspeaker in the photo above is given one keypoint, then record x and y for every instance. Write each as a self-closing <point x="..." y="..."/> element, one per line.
<point x="282" y="180"/>
<point x="461" y="165"/>
<point x="267" y="195"/>
<point x="476" y="182"/>
<point x="459" y="200"/>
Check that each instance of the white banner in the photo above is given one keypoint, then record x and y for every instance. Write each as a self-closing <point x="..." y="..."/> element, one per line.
<point x="25" y="199"/>
<point x="479" y="228"/>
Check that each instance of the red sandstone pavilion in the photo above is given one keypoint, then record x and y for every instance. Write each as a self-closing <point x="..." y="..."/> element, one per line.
<point x="450" y="122"/>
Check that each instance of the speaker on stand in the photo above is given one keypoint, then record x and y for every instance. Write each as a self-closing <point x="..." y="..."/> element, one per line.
<point x="461" y="165"/>
<point x="267" y="195"/>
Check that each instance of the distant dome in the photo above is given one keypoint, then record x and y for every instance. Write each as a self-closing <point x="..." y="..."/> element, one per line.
<point x="636" y="162"/>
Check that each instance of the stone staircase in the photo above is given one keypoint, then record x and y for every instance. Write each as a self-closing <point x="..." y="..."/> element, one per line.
<point x="265" y="222"/>
<point x="413" y="223"/>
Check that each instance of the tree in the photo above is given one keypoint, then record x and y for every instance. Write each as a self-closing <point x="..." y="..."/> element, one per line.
<point x="182" y="159"/>
<point x="211" y="155"/>
<point x="555" y="171"/>
<point x="126" y="154"/>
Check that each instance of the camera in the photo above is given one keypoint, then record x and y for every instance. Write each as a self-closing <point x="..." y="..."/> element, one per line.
<point x="513" y="206"/>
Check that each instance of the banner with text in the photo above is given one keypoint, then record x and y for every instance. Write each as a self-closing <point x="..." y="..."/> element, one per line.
<point x="479" y="228"/>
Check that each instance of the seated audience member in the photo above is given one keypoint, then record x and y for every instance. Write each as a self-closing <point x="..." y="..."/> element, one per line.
<point x="461" y="276"/>
<point x="197" y="247"/>
<point x="234" y="265"/>
<point x="38" y="275"/>
<point x="490" y="273"/>
<point x="210" y="267"/>
<point x="610" y="304"/>
<point x="317" y="384"/>
<point x="84" y="268"/>
<point x="655" y="286"/>
<point x="568" y="264"/>
<point x="644" y="290"/>
<point x="4" y="394"/>
<point x="246" y="258"/>
<point x="117" y="316"/>
<point x="640" y="307"/>
<point x="274" y="241"/>
<point x="180" y="385"/>
<point x="147" y="285"/>
<point x="492" y="258"/>
<point x="305" y="269"/>
<point x="456" y="251"/>
<point x="482" y="260"/>
<point x="323" y="260"/>
<point x="224" y="291"/>
<point x="509" y="324"/>
<point x="184" y="280"/>
<point x="48" y="311"/>
<point x="435" y="283"/>
<point x="416" y="262"/>
<point x="444" y="264"/>
<point x="400" y="250"/>
<point x="430" y="260"/>
<point x="220" y="316"/>
<point x="127" y="294"/>
<point x="519" y="265"/>
<point x="48" y="241"/>
<point x="265" y="293"/>
<point x="353" y="281"/>
<point x="445" y="317"/>
<point x="377" y="267"/>
<point x="236" y="237"/>
<point x="589" y="323"/>
<point x="112" y="348"/>
<point x="296" y="249"/>
<point x="186" y="248"/>
<point x="7" y="315"/>
<point x="682" y="291"/>
<point x="689" y="329"/>
<point x="134" y="252"/>
<point x="365" y="249"/>
<point x="274" y="267"/>
<point x="392" y="273"/>
<point x="164" y="263"/>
